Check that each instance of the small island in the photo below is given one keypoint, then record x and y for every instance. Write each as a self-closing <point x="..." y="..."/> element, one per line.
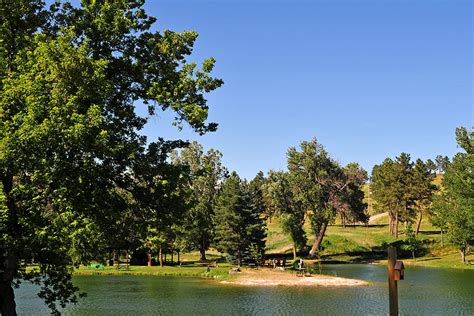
<point x="280" y="278"/>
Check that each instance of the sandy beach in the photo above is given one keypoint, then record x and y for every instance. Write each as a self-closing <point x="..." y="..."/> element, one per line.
<point x="265" y="277"/>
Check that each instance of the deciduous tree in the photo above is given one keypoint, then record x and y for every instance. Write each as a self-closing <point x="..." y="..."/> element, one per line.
<point x="455" y="206"/>
<point x="206" y="174"/>
<point x="69" y="133"/>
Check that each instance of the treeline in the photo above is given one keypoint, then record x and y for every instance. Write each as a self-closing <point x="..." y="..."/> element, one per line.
<point x="196" y="204"/>
<point x="191" y="202"/>
<point x="406" y="191"/>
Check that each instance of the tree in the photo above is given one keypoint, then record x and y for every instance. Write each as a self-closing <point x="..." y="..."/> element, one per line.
<point x="206" y="174"/>
<point x="238" y="223"/>
<point x="69" y="135"/>
<point x="422" y="190"/>
<point x="351" y="205"/>
<point x="323" y="187"/>
<point x="392" y="188"/>
<point x="442" y="163"/>
<point x="281" y="198"/>
<point x="161" y="195"/>
<point x="455" y="206"/>
<point x="412" y="243"/>
<point x="255" y="218"/>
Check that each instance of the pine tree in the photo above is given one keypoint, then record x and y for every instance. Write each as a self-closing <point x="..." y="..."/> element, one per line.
<point x="228" y="218"/>
<point x="239" y="226"/>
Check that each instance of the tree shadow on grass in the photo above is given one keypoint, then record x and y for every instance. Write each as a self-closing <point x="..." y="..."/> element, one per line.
<point x="428" y="259"/>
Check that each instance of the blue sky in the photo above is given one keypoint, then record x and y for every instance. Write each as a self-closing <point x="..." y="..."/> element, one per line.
<point x="368" y="79"/>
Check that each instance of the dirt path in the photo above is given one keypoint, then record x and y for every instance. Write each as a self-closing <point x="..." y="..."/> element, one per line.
<point x="266" y="277"/>
<point x="373" y="218"/>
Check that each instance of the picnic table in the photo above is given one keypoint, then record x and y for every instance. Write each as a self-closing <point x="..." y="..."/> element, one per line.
<point x="303" y="272"/>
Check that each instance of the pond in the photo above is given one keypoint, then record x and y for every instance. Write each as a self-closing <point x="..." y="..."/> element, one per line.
<point x="425" y="291"/>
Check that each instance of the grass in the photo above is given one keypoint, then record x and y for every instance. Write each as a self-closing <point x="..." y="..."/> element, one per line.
<point x="220" y="272"/>
<point x="360" y="244"/>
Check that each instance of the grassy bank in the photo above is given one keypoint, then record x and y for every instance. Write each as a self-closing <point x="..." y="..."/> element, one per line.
<point x="184" y="271"/>
<point x="350" y="244"/>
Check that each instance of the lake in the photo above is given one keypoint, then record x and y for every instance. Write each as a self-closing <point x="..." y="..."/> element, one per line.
<point x="425" y="291"/>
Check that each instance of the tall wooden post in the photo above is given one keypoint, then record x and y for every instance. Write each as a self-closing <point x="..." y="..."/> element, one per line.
<point x="392" y="283"/>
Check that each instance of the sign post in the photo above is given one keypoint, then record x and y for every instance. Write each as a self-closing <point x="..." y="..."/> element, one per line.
<point x="392" y="283"/>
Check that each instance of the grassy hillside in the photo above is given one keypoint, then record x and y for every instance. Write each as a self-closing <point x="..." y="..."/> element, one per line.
<point x="369" y="244"/>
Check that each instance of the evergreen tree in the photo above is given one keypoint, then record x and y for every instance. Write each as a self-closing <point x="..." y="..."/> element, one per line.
<point x="255" y="217"/>
<point x="442" y="163"/>
<point x="228" y="219"/>
<point x="239" y="226"/>
<point x="392" y="188"/>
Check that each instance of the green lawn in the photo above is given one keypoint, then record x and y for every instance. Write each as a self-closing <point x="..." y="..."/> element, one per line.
<point x="186" y="270"/>
<point x="369" y="244"/>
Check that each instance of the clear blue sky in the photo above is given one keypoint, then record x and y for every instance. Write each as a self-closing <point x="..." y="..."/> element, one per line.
<point x="368" y="79"/>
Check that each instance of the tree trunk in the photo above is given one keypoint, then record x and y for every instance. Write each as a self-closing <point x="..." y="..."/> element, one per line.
<point x="463" y="255"/>
<point x="203" y="254"/>
<point x="7" y="299"/>
<point x="294" y="251"/>
<point x="418" y="224"/>
<point x="318" y="240"/>
<point x="161" y="256"/>
<point x="179" y="259"/>
<point x="7" y="295"/>
<point x="149" y="258"/>
<point x="172" y="253"/>
<point x="390" y="223"/>
<point x="396" y="225"/>
<point x="442" y="243"/>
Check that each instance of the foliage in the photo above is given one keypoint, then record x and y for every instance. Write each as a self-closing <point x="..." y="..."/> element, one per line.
<point x="205" y="176"/>
<point x="454" y="208"/>
<point x="402" y="189"/>
<point x="280" y="197"/>
<point x="237" y="220"/>
<point x="412" y="243"/>
<point x="442" y="163"/>
<point x="70" y="145"/>
<point x="324" y="188"/>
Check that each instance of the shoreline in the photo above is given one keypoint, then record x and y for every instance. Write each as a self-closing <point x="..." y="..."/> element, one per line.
<point x="265" y="277"/>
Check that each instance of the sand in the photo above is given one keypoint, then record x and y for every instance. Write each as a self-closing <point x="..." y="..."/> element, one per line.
<point x="267" y="277"/>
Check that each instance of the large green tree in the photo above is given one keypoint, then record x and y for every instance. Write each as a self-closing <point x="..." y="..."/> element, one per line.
<point x="403" y="189"/>
<point x="324" y="188"/>
<point x="239" y="226"/>
<point x="71" y="78"/>
<point x="455" y="206"/>
<point x="206" y="173"/>
<point x="392" y="189"/>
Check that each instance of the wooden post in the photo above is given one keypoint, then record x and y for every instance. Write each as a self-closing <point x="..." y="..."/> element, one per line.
<point x="392" y="283"/>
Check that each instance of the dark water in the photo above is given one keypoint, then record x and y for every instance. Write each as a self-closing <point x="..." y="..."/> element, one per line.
<point x="424" y="291"/>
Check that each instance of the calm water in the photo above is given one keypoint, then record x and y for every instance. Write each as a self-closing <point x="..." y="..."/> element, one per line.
<point x="424" y="291"/>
